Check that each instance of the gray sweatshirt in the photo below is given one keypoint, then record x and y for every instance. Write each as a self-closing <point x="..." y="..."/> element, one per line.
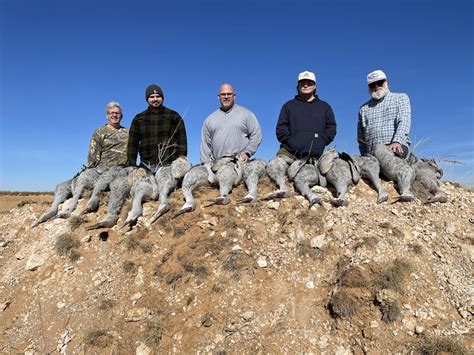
<point x="229" y="133"/>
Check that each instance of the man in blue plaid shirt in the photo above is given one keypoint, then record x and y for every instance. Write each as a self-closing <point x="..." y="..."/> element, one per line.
<point x="385" y="118"/>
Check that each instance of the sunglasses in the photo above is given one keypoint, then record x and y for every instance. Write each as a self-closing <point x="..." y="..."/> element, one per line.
<point x="376" y="83"/>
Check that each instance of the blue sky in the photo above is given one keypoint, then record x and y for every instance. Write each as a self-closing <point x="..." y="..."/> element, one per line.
<point x="62" y="61"/>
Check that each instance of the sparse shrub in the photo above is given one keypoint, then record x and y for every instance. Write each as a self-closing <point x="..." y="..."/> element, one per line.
<point x="416" y="248"/>
<point x="353" y="277"/>
<point x="385" y="224"/>
<point x="434" y="346"/>
<point x="22" y="203"/>
<point x="98" y="338"/>
<point x="342" y="305"/>
<point x="106" y="304"/>
<point x="390" y="312"/>
<point x="369" y="242"/>
<point x="235" y="262"/>
<point x="393" y="275"/>
<point x="178" y="231"/>
<point x="206" y="320"/>
<point x="305" y="250"/>
<point x="201" y="271"/>
<point x="166" y="256"/>
<point x="128" y="266"/>
<point x="342" y="263"/>
<point x="66" y="245"/>
<point x="152" y="334"/>
<point x="173" y="279"/>
<point x="146" y="247"/>
<point x="217" y="287"/>
<point x="230" y="224"/>
<point x="131" y="243"/>
<point x="75" y="221"/>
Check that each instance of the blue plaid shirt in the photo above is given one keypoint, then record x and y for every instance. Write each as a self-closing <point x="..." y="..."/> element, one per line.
<point x="386" y="121"/>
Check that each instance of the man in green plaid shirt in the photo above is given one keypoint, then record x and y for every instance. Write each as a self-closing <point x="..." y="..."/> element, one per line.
<point x="157" y="134"/>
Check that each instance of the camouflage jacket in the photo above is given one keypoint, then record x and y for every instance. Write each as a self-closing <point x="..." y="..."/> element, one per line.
<point x="108" y="146"/>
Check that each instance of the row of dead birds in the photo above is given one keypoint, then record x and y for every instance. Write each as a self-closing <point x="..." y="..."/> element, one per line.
<point x="339" y="170"/>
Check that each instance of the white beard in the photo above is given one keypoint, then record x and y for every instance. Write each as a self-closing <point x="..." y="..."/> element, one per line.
<point x="379" y="94"/>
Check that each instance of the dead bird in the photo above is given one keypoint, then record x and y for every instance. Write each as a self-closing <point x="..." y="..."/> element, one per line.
<point x="102" y="184"/>
<point x="340" y="171"/>
<point x="428" y="173"/>
<point x="305" y="174"/>
<point x="228" y="172"/>
<point x="396" y="169"/>
<point x="167" y="178"/>
<point x="143" y="187"/>
<point x="119" y="191"/>
<point x="253" y="170"/>
<point x="277" y="171"/>
<point x="198" y="176"/>
<point x="85" y="181"/>
<point x="62" y="192"/>
<point x="370" y="170"/>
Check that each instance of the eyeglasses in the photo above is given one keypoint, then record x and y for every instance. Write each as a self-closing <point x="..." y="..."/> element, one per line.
<point x="376" y="83"/>
<point x="226" y="94"/>
<point x="114" y="113"/>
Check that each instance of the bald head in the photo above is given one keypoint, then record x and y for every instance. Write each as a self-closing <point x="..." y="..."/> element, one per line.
<point x="226" y="96"/>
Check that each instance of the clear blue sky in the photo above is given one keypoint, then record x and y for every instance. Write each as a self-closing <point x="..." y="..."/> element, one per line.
<point x="62" y="61"/>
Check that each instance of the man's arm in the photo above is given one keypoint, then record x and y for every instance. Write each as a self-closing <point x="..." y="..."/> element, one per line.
<point x="181" y="137"/>
<point x="95" y="149"/>
<point x="403" y="120"/>
<point x="205" y="149"/>
<point x="360" y="136"/>
<point x="331" y="126"/>
<point x="133" y="142"/>
<point x="254" y="133"/>
<point x="283" y="125"/>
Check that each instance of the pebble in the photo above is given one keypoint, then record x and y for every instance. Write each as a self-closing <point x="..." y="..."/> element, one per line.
<point x="262" y="261"/>
<point x="246" y="316"/>
<point x="419" y="329"/>
<point x="318" y="241"/>
<point x="34" y="262"/>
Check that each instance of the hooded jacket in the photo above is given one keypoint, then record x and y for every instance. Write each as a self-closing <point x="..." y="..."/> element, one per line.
<point x="306" y="128"/>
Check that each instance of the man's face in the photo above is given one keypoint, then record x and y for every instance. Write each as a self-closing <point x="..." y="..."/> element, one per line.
<point x="114" y="116"/>
<point x="226" y="96"/>
<point x="155" y="100"/>
<point x="306" y="87"/>
<point x="378" y="89"/>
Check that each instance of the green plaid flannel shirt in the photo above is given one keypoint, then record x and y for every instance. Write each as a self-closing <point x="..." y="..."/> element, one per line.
<point x="159" y="137"/>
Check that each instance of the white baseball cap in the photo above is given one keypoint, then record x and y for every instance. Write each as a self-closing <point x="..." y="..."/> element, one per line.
<point x="307" y="75"/>
<point x="376" y="76"/>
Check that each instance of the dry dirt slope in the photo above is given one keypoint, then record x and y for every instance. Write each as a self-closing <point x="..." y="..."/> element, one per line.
<point x="271" y="277"/>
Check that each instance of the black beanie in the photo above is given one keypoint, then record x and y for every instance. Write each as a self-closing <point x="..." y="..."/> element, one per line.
<point x="153" y="89"/>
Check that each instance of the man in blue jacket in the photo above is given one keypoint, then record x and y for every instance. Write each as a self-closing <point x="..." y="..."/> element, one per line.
<point x="306" y="124"/>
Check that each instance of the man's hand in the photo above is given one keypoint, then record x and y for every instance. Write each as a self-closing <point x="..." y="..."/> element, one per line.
<point x="396" y="148"/>
<point x="244" y="156"/>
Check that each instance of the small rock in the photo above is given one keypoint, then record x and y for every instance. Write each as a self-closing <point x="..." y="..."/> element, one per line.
<point x="224" y="234"/>
<point x="419" y="329"/>
<point x="140" y="278"/>
<point x="310" y="284"/>
<point x="318" y="241"/>
<point x="136" y="314"/>
<point x="246" y="316"/>
<point x="274" y="205"/>
<point x="87" y="239"/>
<point x="136" y="296"/>
<point x="34" y="262"/>
<point x="236" y="247"/>
<point x="61" y="305"/>
<point x="143" y="350"/>
<point x="262" y="261"/>
<point x="4" y="305"/>
<point x="374" y="324"/>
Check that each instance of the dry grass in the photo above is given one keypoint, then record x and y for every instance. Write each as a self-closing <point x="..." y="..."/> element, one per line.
<point x="131" y="243"/>
<point x="98" y="338"/>
<point x="66" y="245"/>
<point x="146" y="248"/>
<point x="342" y="305"/>
<point x="393" y="275"/>
<point x="369" y="242"/>
<point x="416" y="248"/>
<point x="75" y="221"/>
<point x="217" y="287"/>
<point x="390" y="312"/>
<point x="153" y="334"/>
<point x="129" y="266"/>
<point x="434" y="346"/>
<point x="235" y="262"/>
<point x="179" y="230"/>
<point x="106" y="304"/>
<point x="353" y="277"/>
<point x="305" y="250"/>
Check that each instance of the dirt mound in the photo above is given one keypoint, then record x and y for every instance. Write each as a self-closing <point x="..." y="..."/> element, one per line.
<point x="272" y="277"/>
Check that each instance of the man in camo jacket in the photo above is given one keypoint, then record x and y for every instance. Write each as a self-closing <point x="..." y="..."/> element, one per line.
<point x="108" y="144"/>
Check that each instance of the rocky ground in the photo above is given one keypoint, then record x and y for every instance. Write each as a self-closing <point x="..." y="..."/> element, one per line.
<point x="270" y="277"/>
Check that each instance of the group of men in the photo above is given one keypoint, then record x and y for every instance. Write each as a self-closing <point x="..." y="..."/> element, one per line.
<point x="306" y="125"/>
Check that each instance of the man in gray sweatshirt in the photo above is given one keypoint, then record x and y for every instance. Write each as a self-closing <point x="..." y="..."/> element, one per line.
<point x="230" y="130"/>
